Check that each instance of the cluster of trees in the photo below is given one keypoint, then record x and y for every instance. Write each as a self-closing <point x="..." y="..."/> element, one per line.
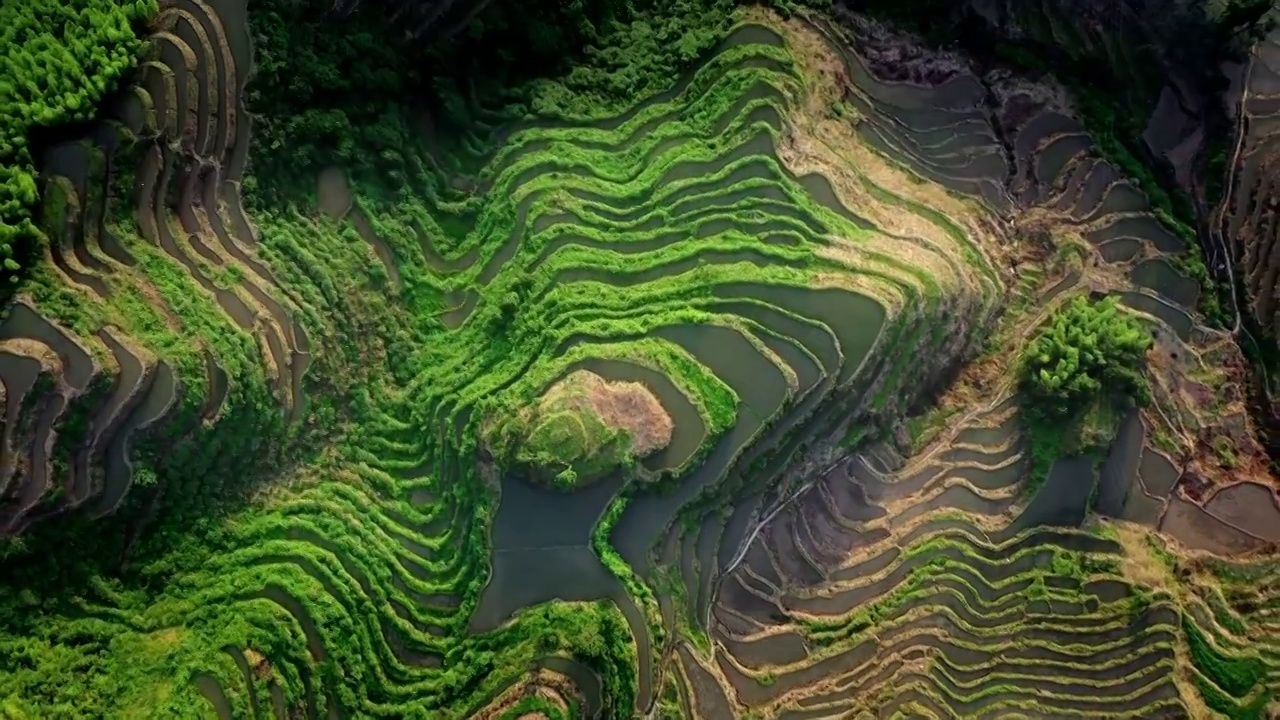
<point x="635" y="59"/>
<point x="61" y="58"/>
<point x="1251" y="19"/>
<point x="326" y="92"/>
<point x="1086" y="351"/>
<point x="353" y="91"/>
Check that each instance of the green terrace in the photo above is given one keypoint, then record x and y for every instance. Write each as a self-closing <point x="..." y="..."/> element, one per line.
<point x="593" y="416"/>
<point x="668" y="253"/>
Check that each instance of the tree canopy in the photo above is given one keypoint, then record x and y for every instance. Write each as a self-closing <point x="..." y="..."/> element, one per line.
<point x="1086" y="351"/>
<point x="60" y="58"/>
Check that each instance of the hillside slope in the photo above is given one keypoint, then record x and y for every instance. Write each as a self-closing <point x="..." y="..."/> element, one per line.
<point x="698" y="402"/>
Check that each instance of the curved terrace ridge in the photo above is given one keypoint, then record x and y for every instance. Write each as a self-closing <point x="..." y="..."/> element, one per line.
<point x="700" y="404"/>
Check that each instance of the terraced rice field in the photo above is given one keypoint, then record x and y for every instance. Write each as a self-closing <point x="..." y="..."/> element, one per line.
<point x="1246" y="218"/>
<point x="781" y="254"/>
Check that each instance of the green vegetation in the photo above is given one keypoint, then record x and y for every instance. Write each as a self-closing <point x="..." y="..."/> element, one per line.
<point x="1236" y="676"/>
<point x="327" y="93"/>
<point x="61" y="59"/>
<point x="1086" y="352"/>
<point x="611" y="242"/>
<point x="1249" y="17"/>
<point x="1076" y="375"/>
<point x="1234" y="679"/>
<point x="353" y="580"/>
<point x="537" y="706"/>
<point x="568" y="435"/>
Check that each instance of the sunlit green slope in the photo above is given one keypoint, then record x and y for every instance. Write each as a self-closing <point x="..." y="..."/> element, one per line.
<point x="390" y="344"/>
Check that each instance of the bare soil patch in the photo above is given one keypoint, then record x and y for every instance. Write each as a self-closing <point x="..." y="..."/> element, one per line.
<point x="628" y="406"/>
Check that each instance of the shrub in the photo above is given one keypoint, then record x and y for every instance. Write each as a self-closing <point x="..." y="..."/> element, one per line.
<point x="1086" y="351"/>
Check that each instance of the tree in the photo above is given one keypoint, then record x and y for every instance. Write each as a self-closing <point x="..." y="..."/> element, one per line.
<point x="1086" y="351"/>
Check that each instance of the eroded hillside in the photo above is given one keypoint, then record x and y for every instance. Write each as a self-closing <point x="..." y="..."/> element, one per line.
<point x="706" y="406"/>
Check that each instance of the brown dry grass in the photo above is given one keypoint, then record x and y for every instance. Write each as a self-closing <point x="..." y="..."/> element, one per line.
<point x="1200" y="404"/>
<point x="1143" y="568"/>
<point x="261" y="666"/>
<point x="36" y="350"/>
<point x="628" y="406"/>
<point x="818" y="141"/>
<point x="1140" y="564"/>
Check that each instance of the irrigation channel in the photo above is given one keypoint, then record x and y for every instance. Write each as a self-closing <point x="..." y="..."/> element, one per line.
<point x="757" y="272"/>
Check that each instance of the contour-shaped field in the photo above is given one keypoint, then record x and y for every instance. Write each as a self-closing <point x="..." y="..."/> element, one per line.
<point x="174" y="280"/>
<point x="712" y="308"/>
<point x="691" y="247"/>
<point x="931" y="586"/>
<point x="1245" y="220"/>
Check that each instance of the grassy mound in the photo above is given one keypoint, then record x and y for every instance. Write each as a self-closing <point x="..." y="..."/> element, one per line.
<point x="582" y="427"/>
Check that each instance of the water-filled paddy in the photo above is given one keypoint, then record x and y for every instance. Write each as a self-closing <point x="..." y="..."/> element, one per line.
<point x="1195" y="527"/>
<point x="762" y="389"/>
<point x="1178" y="320"/>
<point x="1143" y="226"/>
<point x="524" y="577"/>
<point x="24" y="322"/>
<point x="1118" y="476"/>
<point x="1158" y="275"/>
<point x="1120" y="249"/>
<point x="1249" y="506"/>
<point x="1064" y="497"/>
<point x="156" y="401"/>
